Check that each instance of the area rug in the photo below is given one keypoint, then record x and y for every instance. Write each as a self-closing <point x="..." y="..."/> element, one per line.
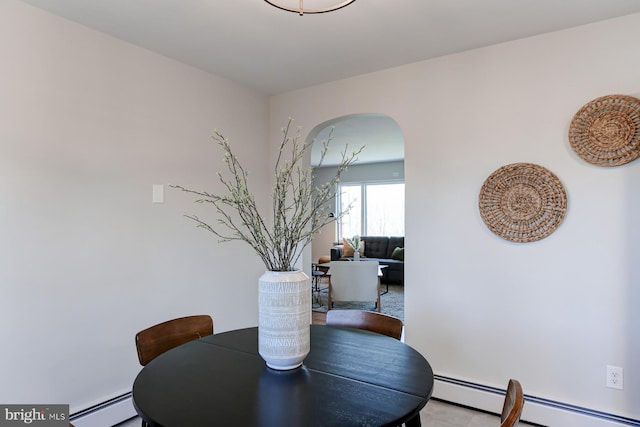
<point x="392" y="302"/>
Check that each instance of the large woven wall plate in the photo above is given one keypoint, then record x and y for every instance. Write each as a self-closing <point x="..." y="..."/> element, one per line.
<point x="606" y="131"/>
<point x="522" y="202"/>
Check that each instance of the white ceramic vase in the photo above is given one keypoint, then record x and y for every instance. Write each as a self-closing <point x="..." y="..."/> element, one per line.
<point x="284" y="315"/>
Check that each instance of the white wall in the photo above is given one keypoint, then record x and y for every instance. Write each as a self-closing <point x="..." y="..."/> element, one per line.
<point x="551" y="313"/>
<point x="87" y="125"/>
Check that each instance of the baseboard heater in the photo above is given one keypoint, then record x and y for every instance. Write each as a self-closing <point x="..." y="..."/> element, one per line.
<point x="106" y="414"/>
<point x="539" y="406"/>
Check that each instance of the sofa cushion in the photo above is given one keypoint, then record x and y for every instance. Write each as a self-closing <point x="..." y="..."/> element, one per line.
<point x="348" y="251"/>
<point x="376" y="246"/>
<point x="394" y="242"/>
<point x="398" y="254"/>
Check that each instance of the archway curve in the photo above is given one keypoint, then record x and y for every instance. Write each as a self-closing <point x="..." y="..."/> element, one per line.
<point x="380" y="133"/>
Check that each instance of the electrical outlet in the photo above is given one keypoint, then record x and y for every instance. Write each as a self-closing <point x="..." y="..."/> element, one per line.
<point x="615" y="377"/>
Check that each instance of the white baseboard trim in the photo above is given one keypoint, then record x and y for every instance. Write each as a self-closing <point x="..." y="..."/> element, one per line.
<point x="106" y="414"/>
<point x="537" y="410"/>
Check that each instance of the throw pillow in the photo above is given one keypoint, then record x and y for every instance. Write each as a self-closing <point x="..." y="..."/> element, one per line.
<point x="398" y="254"/>
<point x="347" y="250"/>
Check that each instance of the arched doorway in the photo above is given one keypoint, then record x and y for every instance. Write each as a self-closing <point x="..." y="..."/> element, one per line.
<point x="376" y="176"/>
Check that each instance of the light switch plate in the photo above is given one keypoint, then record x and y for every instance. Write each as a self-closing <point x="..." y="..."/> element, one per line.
<point x="158" y="193"/>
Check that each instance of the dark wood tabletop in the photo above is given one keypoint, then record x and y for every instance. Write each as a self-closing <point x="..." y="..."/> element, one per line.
<point x="350" y="378"/>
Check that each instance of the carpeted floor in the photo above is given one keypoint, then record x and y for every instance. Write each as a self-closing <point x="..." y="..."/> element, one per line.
<point x="392" y="303"/>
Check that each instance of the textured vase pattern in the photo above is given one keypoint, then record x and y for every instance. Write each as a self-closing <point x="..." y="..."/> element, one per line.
<point x="284" y="314"/>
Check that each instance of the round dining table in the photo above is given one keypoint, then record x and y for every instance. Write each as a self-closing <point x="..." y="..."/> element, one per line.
<point x="350" y="378"/>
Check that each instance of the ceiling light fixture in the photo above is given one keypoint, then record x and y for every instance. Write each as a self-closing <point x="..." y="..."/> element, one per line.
<point x="301" y="10"/>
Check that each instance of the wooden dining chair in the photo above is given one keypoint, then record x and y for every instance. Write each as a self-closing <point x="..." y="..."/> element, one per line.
<point x="354" y="281"/>
<point x="164" y="336"/>
<point x="513" y="404"/>
<point x="368" y="320"/>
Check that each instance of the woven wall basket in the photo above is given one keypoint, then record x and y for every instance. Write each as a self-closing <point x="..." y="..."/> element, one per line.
<point x="522" y="202"/>
<point x="606" y="131"/>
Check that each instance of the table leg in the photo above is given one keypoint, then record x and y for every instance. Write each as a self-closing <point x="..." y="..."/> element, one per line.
<point x="414" y="422"/>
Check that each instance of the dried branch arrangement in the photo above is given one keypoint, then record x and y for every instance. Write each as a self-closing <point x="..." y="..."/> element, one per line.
<point x="299" y="208"/>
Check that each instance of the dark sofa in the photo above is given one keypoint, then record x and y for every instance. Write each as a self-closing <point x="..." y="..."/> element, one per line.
<point x="379" y="248"/>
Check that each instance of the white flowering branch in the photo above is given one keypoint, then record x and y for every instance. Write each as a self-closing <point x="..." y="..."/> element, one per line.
<point x="299" y="209"/>
<point x="355" y="242"/>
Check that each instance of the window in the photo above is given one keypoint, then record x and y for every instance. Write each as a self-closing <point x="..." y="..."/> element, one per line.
<point x="377" y="209"/>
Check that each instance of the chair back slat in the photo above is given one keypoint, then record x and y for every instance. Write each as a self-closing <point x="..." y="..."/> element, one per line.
<point x="368" y="320"/>
<point x="155" y="340"/>
<point x="513" y="404"/>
